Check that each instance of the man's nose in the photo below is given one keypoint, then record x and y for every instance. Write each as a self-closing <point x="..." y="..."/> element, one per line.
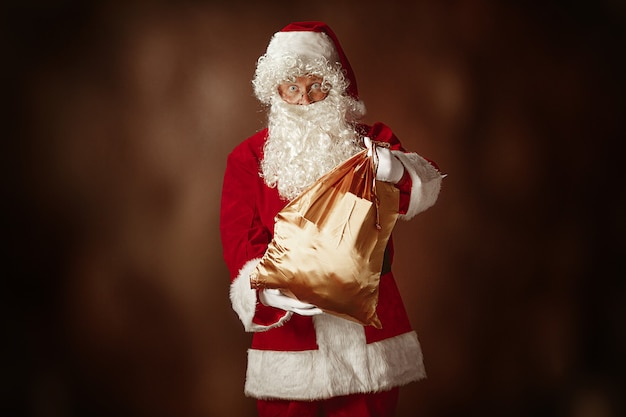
<point x="304" y="99"/>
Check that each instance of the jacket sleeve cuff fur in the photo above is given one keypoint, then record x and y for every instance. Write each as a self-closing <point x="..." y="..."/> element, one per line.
<point x="426" y="183"/>
<point x="255" y="316"/>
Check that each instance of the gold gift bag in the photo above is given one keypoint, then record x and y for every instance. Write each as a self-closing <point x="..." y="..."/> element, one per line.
<point x="329" y="242"/>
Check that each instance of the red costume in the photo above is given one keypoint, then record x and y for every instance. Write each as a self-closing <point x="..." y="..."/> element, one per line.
<point x="296" y="357"/>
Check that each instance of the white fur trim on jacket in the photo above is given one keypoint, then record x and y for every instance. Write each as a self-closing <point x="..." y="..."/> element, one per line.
<point x="244" y="299"/>
<point x="344" y="364"/>
<point x="426" y="183"/>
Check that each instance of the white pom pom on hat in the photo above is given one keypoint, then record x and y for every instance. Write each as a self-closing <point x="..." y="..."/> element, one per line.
<point x="312" y="39"/>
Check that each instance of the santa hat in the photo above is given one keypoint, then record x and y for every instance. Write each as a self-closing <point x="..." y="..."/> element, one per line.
<point x="312" y="40"/>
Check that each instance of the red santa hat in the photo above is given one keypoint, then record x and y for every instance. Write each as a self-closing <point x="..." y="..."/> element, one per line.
<point x="310" y="40"/>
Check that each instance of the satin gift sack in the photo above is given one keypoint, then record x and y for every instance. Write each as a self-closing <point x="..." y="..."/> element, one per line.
<point x="329" y="242"/>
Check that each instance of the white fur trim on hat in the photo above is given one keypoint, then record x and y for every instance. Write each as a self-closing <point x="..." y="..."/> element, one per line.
<point x="308" y="44"/>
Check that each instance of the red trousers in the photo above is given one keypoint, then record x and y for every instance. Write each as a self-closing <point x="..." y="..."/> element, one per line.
<point x="382" y="404"/>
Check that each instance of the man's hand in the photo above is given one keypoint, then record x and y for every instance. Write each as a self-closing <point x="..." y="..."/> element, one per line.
<point x="389" y="168"/>
<point x="274" y="298"/>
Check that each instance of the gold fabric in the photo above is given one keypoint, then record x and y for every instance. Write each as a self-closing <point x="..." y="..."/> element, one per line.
<point x="329" y="242"/>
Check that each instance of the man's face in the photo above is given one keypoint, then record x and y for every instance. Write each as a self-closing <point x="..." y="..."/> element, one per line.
<point x="304" y="90"/>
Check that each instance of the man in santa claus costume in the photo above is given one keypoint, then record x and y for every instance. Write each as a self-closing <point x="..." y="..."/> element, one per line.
<point x="304" y="362"/>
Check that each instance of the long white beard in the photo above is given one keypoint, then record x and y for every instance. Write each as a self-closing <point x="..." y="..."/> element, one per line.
<point x="305" y="142"/>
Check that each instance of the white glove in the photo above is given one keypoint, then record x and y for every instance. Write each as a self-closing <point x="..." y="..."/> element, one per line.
<point x="274" y="298"/>
<point x="390" y="169"/>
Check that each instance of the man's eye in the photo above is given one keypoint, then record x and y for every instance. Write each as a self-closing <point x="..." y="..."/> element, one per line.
<point x="293" y="89"/>
<point x="316" y="86"/>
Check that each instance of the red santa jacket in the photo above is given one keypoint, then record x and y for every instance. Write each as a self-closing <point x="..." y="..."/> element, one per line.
<point x="306" y="358"/>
